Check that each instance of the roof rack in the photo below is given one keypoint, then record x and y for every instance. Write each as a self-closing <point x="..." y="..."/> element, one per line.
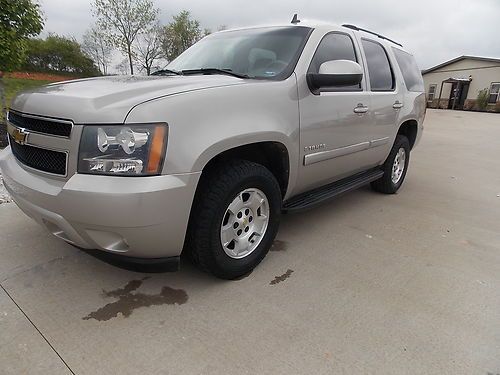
<point x="353" y="27"/>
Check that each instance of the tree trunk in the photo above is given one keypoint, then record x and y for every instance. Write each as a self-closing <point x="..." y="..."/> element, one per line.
<point x="3" y="115"/>
<point x="104" y="66"/>
<point x="130" y="59"/>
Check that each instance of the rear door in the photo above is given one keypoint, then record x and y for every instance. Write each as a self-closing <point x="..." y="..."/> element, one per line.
<point x="386" y="97"/>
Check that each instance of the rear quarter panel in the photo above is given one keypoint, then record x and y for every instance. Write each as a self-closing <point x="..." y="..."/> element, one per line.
<point x="414" y="101"/>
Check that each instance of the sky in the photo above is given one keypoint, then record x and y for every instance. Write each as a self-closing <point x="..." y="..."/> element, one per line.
<point x="433" y="30"/>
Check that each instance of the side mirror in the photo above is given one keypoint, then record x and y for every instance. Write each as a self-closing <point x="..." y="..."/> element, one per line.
<point x="336" y="73"/>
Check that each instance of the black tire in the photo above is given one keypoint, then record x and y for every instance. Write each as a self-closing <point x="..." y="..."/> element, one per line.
<point x="216" y="191"/>
<point x="385" y="184"/>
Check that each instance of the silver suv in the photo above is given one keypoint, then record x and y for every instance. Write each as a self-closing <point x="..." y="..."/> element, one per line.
<point x="205" y="156"/>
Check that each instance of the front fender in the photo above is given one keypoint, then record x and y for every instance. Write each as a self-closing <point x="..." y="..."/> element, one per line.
<point x="204" y="123"/>
<point x="237" y="141"/>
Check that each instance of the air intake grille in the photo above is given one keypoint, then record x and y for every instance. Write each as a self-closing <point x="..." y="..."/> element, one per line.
<point x="40" y="125"/>
<point x="39" y="158"/>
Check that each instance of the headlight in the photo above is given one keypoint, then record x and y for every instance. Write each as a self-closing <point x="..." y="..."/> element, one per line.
<point x="132" y="150"/>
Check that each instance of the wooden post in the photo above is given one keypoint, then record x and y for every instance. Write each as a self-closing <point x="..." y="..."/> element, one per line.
<point x="440" y="92"/>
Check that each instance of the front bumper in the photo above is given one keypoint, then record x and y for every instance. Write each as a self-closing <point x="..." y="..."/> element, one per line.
<point x="141" y="217"/>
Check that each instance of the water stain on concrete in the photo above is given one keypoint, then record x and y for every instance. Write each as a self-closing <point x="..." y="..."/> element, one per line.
<point x="280" y="278"/>
<point x="279" y="246"/>
<point x="127" y="301"/>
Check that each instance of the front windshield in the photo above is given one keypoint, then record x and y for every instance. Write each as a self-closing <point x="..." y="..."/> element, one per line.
<point x="257" y="53"/>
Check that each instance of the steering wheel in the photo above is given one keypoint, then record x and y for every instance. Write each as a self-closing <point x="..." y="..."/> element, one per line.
<point x="277" y="66"/>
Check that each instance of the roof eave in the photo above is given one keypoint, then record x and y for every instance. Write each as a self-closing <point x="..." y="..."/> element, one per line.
<point x="463" y="57"/>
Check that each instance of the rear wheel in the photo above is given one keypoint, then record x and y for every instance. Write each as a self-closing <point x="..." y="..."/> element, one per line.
<point x="395" y="167"/>
<point x="235" y="219"/>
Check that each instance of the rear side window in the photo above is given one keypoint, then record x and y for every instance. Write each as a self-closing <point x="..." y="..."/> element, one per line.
<point x="379" y="68"/>
<point x="409" y="68"/>
<point x="334" y="46"/>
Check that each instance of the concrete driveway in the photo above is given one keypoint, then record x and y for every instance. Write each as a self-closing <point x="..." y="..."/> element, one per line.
<point x="403" y="284"/>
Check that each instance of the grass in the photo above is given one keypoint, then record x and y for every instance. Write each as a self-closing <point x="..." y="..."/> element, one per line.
<point x="13" y="86"/>
<point x="16" y="85"/>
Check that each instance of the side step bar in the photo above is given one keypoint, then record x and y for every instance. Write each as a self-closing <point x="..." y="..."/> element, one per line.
<point x="317" y="196"/>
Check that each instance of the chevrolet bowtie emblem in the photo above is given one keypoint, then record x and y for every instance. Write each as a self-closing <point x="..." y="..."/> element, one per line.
<point x="18" y="135"/>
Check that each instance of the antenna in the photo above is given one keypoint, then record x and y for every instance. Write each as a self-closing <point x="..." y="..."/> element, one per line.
<point x="295" y="20"/>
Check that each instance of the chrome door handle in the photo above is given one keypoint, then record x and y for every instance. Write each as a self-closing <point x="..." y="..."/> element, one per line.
<point x="397" y="105"/>
<point x="360" y="109"/>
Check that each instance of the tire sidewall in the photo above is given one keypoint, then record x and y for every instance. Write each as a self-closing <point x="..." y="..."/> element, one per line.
<point x="223" y="261"/>
<point x="401" y="142"/>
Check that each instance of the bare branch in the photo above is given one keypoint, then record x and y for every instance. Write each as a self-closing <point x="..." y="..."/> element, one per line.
<point x="148" y="48"/>
<point x="123" y="20"/>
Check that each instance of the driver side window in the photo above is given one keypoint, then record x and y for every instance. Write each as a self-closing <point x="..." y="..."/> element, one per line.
<point x="334" y="46"/>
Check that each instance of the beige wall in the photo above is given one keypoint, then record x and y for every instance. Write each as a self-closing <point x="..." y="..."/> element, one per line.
<point x="483" y="73"/>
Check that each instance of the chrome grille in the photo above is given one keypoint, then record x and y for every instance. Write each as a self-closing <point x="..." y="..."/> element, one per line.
<point x="38" y="158"/>
<point x="60" y="128"/>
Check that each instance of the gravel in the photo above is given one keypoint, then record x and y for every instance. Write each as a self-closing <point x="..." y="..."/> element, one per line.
<point x="4" y="196"/>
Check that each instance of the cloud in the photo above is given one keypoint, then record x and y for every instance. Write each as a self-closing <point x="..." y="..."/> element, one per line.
<point x="434" y="30"/>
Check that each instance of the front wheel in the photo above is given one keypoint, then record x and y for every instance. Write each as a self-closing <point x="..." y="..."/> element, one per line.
<point x="235" y="218"/>
<point x="395" y="167"/>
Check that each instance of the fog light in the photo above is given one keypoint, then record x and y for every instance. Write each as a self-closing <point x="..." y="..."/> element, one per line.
<point x="133" y="166"/>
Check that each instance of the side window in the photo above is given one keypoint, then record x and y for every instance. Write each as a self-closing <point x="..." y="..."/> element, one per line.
<point x="432" y="92"/>
<point x="379" y="68"/>
<point x="494" y="93"/>
<point x="334" y="46"/>
<point x="409" y="68"/>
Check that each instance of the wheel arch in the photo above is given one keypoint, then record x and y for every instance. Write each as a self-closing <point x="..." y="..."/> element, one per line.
<point x="274" y="155"/>
<point x="409" y="128"/>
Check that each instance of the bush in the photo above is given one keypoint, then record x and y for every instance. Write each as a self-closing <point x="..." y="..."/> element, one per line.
<point x="57" y="54"/>
<point x="482" y="99"/>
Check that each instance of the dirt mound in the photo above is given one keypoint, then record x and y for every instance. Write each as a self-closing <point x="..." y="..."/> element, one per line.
<point x="39" y="76"/>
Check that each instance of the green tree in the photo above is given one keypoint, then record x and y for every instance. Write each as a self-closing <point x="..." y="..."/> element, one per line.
<point x="19" y="20"/>
<point x="482" y="99"/>
<point x="180" y="34"/>
<point x="58" y="54"/>
<point x="123" y="21"/>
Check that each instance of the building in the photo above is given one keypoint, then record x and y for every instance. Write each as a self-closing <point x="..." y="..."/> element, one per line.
<point x="455" y="84"/>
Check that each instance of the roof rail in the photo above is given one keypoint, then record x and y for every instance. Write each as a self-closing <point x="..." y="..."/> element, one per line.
<point x="353" y="27"/>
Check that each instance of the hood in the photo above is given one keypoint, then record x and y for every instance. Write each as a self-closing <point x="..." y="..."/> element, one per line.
<point x="109" y="99"/>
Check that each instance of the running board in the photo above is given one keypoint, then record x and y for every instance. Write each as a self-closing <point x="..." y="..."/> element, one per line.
<point x="317" y="196"/>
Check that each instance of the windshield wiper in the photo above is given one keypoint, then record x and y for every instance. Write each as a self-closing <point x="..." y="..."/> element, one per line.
<point x="228" y="72"/>
<point x="163" y="72"/>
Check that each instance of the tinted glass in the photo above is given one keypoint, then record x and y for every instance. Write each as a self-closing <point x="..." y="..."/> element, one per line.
<point x="381" y="78"/>
<point x="409" y="68"/>
<point x="258" y="53"/>
<point x="333" y="47"/>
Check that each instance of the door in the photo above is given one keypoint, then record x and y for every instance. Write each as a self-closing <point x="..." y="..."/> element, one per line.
<point x="462" y="96"/>
<point x="334" y="124"/>
<point x="453" y="95"/>
<point x="387" y="98"/>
